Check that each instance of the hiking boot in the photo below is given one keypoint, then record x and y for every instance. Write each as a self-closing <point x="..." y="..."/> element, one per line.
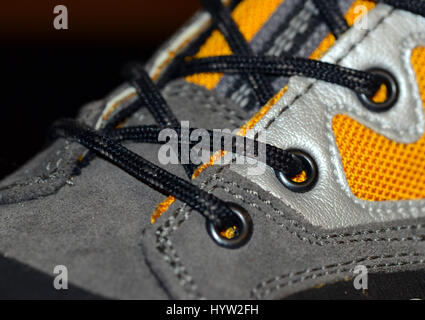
<point x="321" y="196"/>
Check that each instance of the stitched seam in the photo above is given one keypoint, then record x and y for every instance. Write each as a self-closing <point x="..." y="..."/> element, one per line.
<point x="160" y="68"/>
<point x="36" y="180"/>
<point x="267" y="287"/>
<point x="39" y="179"/>
<point x="173" y="223"/>
<point x="312" y="84"/>
<point x="321" y="239"/>
<point x="337" y="61"/>
<point x="411" y="42"/>
<point x="167" y="257"/>
<point x="166" y="248"/>
<point x="163" y="242"/>
<point x="59" y="173"/>
<point x="184" y="42"/>
<point x="377" y="206"/>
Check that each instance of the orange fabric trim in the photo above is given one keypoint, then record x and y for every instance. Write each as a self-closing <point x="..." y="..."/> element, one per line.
<point x="161" y="208"/>
<point x="218" y="46"/>
<point x="242" y="131"/>
<point x="164" y="205"/>
<point x="250" y="16"/>
<point x="116" y="104"/>
<point x="172" y="54"/>
<point x="156" y="74"/>
<point x="377" y="168"/>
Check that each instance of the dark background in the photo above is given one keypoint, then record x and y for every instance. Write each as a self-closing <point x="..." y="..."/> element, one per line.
<point x="48" y="74"/>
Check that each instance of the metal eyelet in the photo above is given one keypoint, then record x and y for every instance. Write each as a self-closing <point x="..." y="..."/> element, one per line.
<point x="243" y="223"/>
<point x="392" y="92"/>
<point x="310" y="169"/>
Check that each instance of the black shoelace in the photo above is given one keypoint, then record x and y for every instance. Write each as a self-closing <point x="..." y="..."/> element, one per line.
<point x="107" y="143"/>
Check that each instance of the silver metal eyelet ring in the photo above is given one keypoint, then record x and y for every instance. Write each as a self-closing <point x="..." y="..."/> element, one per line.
<point x="243" y="224"/>
<point x="310" y="169"/>
<point x="392" y="92"/>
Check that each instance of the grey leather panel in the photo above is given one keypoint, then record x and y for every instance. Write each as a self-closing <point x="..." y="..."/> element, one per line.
<point x="285" y="254"/>
<point x="302" y="119"/>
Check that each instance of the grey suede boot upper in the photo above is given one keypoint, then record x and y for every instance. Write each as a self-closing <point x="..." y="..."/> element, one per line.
<point x="96" y="220"/>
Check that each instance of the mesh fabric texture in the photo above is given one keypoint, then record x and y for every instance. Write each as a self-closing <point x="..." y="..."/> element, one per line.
<point x="379" y="169"/>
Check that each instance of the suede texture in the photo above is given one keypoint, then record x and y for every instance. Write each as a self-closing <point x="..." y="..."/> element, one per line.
<point x="93" y="224"/>
<point x="285" y="255"/>
<point x="97" y="221"/>
<point x="98" y="226"/>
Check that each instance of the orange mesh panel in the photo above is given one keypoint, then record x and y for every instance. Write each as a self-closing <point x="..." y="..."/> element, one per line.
<point x="376" y="168"/>
<point x="218" y="46"/>
<point x="249" y="15"/>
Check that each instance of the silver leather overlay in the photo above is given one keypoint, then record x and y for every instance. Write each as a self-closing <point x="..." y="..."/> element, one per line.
<point x="303" y="118"/>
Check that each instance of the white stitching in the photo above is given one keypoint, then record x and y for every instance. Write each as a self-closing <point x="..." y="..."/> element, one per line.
<point x="411" y="207"/>
<point x="173" y="223"/>
<point x="337" y="61"/>
<point x="322" y="239"/>
<point x="163" y="242"/>
<point x="264" y="289"/>
<point x="191" y="293"/>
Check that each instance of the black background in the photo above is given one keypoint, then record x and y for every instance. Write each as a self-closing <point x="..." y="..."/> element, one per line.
<point x="41" y="84"/>
<point x="48" y="74"/>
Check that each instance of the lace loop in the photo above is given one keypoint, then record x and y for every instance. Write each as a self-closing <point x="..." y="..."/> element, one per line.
<point x="332" y="14"/>
<point x="148" y="173"/>
<point x="224" y="22"/>
<point x="360" y="81"/>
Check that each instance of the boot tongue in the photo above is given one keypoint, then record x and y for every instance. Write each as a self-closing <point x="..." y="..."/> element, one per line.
<point x="216" y="101"/>
<point x="274" y="27"/>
